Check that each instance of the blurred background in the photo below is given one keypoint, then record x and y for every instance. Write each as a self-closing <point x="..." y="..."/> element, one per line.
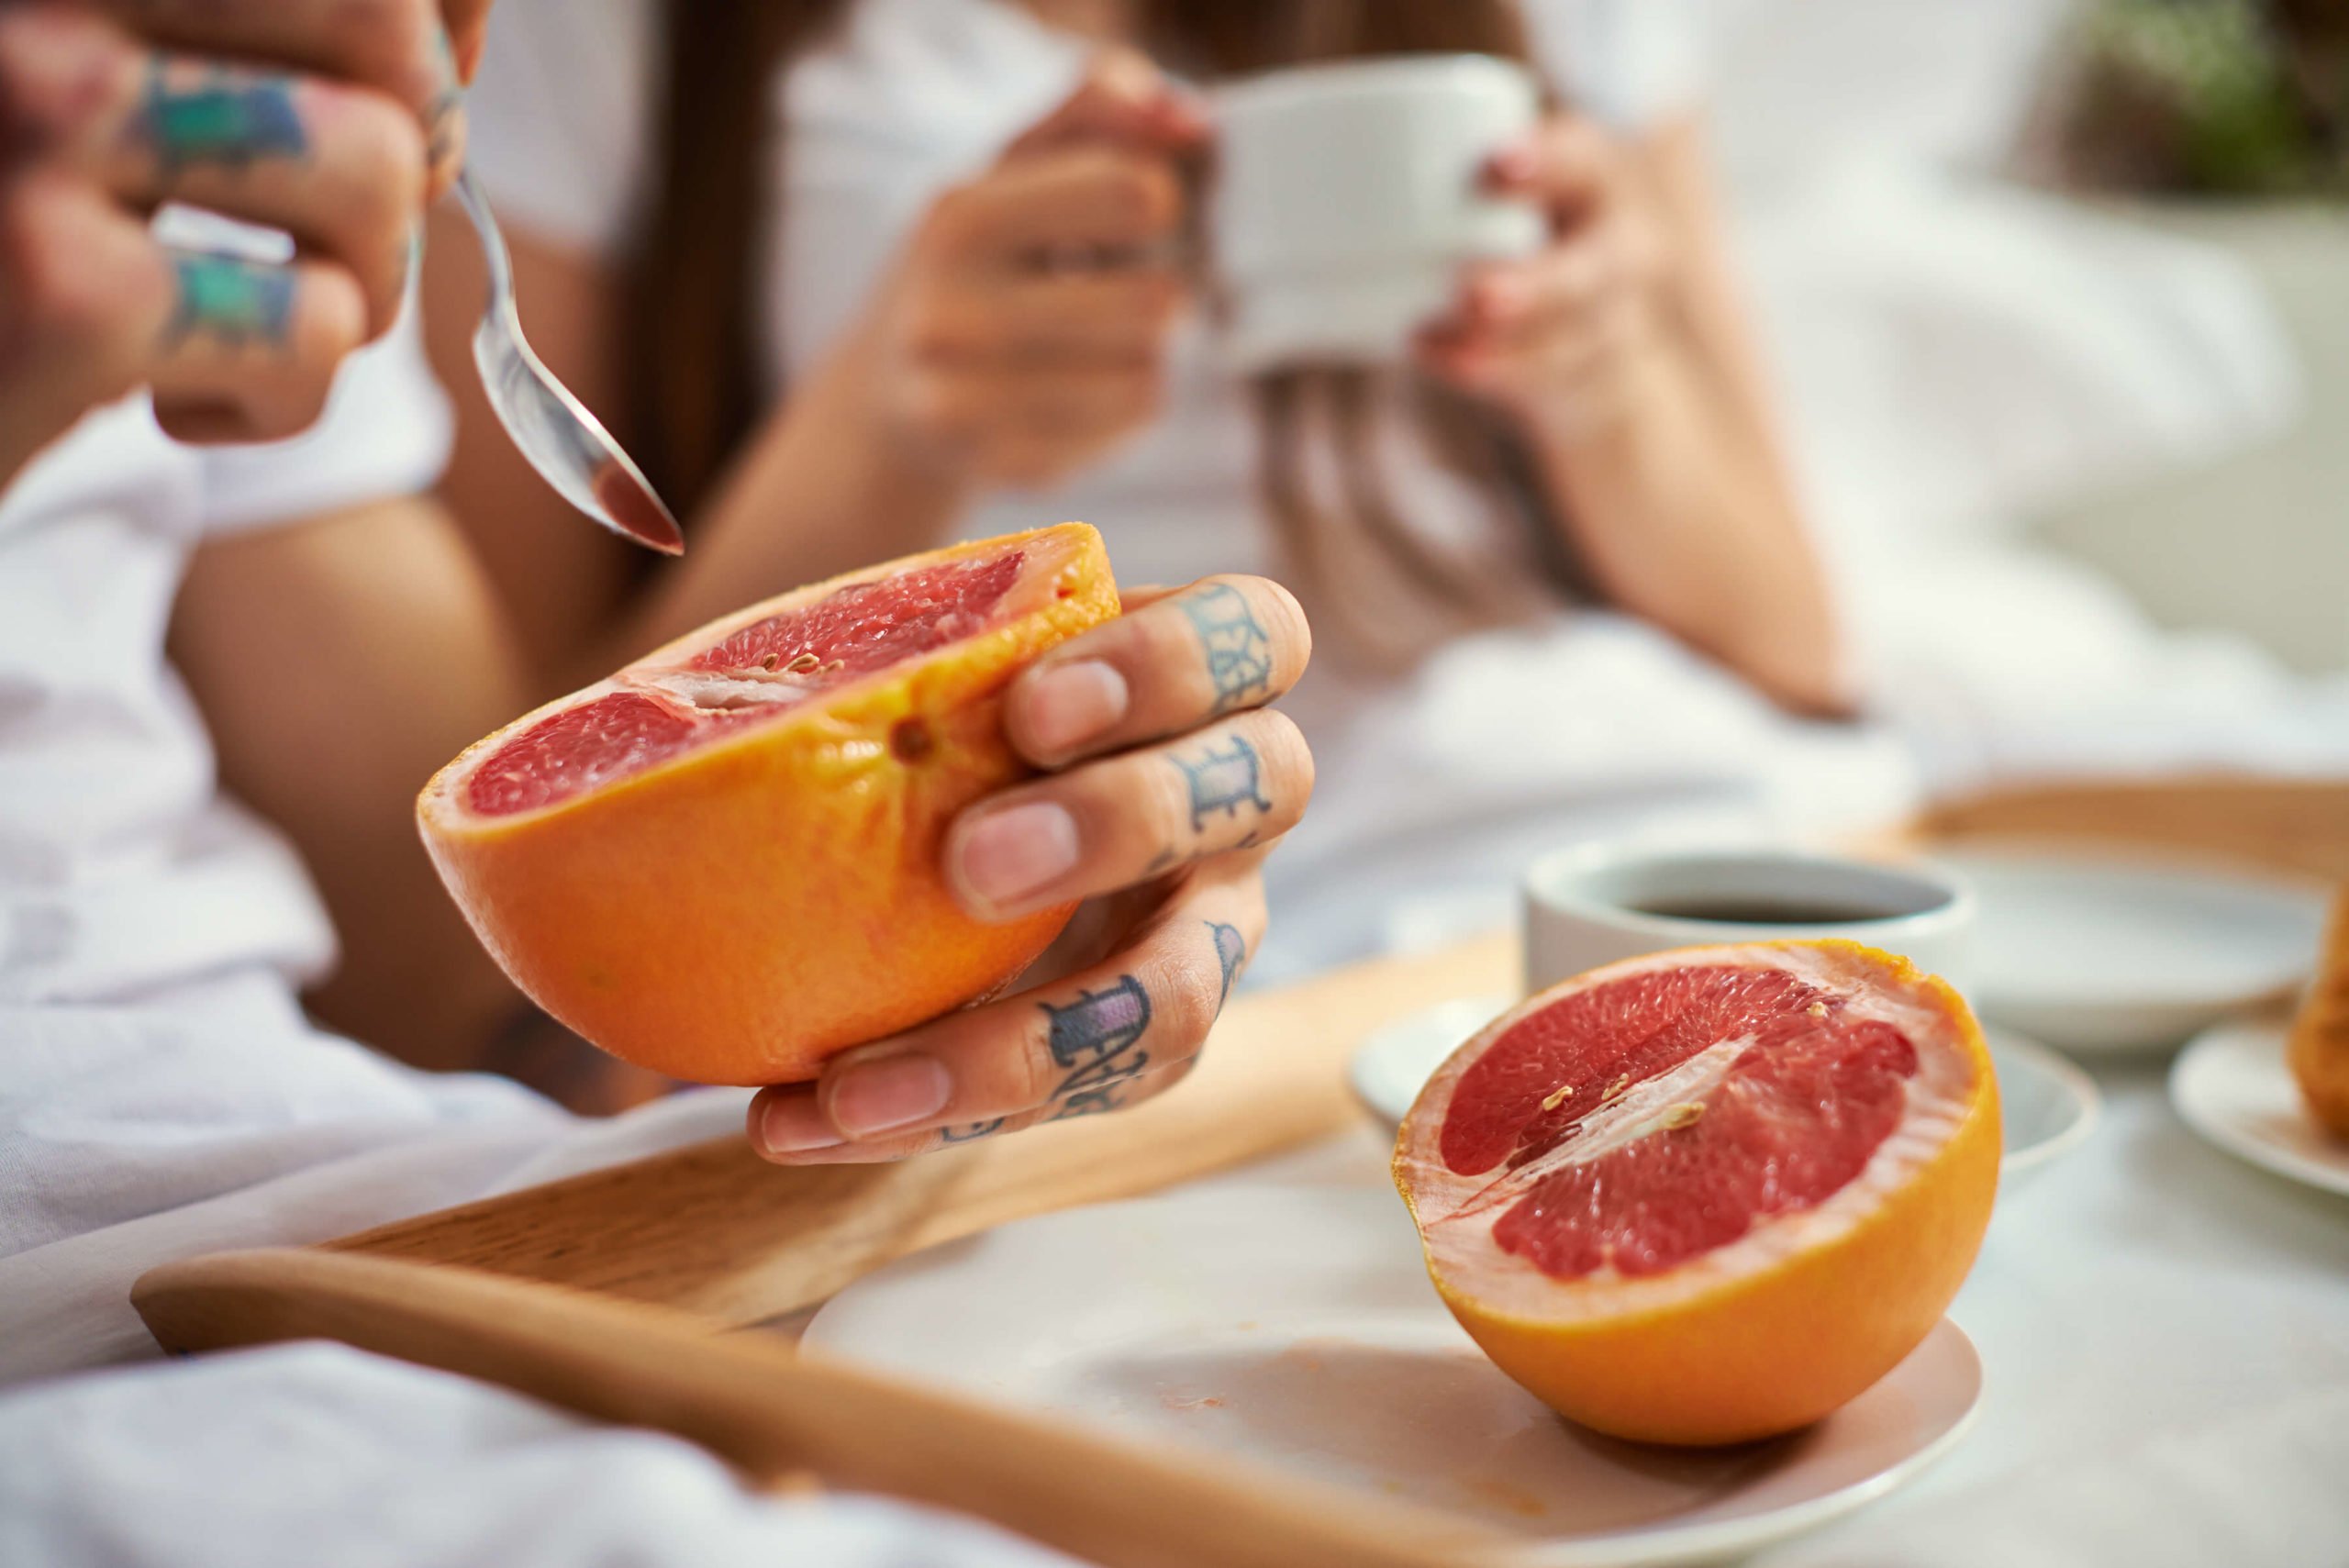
<point x="2099" y="248"/>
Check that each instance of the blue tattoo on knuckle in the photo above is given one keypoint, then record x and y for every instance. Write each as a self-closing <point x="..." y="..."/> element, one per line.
<point x="229" y="119"/>
<point x="1231" y="951"/>
<point x="1096" y="1041"/>
<point x="235" y="303"/>
<point x="1223" y="779"/>
<point x="1238" y="653"/>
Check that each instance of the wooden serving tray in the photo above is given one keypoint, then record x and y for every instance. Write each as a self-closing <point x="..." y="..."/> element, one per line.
<point x="613" y="1293"/>
<point x="616" y="1292"/>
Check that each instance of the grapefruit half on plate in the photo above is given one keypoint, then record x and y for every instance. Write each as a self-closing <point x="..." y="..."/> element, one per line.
<point x="1708" y="1195"/>
<point x="723" y="862"/>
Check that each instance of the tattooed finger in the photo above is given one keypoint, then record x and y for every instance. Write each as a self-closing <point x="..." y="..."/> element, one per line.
<point x="401" y="48"/>
<point x="889" y="1148"/>
<point x="1221" y="645"/>
<point x="251" y="349"/>
<point x="1080" y="1046"/>
<point x="1111" y="824"/>
<point x="340" y="168"/>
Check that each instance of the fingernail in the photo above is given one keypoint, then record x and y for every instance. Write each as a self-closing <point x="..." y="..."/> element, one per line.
<point x="793" y="1123"/>
<point x="1511" y="166"/>
<point x="1497" y="298"/>
<point x="1185" y="112"/>
<point x="1012" y="852"/>
<point x="1070" y="704"/>
<point x="889" y="1091"/>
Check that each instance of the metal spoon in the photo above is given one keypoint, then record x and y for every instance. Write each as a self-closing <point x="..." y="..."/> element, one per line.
<point x="565" y="443"/>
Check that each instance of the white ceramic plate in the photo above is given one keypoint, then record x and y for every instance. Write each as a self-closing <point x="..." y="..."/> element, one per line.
<point x="1294" y="1328"/>
<point x="2232" y="1086"/>
<point x="2093" y="954"/>
<point x="2047" y="1106"/>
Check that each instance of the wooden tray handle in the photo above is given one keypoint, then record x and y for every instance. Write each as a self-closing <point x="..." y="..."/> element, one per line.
<point x="777" y="1417"/>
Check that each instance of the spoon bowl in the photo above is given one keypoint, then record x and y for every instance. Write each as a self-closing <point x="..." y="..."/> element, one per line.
<point x="567" y="445"/>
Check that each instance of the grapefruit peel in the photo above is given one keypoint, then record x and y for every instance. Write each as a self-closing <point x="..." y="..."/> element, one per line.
<point x="722" y="864"/>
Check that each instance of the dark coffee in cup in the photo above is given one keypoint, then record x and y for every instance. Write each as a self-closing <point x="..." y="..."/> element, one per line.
<point x="1760" y="911"/>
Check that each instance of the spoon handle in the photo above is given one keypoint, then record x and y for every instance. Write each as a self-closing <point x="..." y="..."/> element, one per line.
<point x="471" y="197"/>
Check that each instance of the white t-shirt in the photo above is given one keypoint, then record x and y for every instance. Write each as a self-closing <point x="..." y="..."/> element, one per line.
<point x="121" y="869"/>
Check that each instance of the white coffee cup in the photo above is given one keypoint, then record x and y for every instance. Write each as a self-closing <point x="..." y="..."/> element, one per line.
<point x="1347" y="194"/>
<point x="1598" y="904"/>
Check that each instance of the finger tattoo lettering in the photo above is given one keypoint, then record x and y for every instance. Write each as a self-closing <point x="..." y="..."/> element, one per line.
<point x="1239" y="654"/>
<point x="1223" y="779"/>
<point x="235" y="302"/>
<point x="1096" y="1041"/>
<point x="1231" y="951"/>
<point x="230" y="119"/>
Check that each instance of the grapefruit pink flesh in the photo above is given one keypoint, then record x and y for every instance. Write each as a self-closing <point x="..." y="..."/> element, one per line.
<point x="763" y="670"/>
<point x="1789" y="1119"/>
<point x="1708" y="1195"/>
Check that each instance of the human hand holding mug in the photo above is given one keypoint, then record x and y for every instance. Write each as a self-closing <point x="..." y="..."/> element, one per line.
<point x="1562" y="329"/>
<point x="1023" y="331"/>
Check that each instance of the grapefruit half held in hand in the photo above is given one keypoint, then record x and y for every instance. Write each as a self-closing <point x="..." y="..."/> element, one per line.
<point x="723" y="862"/>
<point x="1708" y="1195"/>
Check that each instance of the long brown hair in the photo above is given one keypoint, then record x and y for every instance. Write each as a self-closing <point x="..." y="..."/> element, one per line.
<point x="695" y="370"/>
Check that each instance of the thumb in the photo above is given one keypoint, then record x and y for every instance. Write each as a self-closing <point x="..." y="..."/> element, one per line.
<point x="1123" y="97"/>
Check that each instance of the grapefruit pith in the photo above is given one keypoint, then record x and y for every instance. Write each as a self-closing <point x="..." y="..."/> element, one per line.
<point x="1708" y="1195"/>
<point x="723" y="862"/>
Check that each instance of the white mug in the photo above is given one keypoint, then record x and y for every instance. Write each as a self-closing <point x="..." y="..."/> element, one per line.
<point x="1598" y="904"/>
<point x="1347" y="194"/>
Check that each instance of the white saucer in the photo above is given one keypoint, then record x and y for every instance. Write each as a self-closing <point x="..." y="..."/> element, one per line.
<point x="1294" y="1328"/>
<point x="2094" y="953"/>
<point x="2232" y="1086"/>
<point x="2047" y="1106"/>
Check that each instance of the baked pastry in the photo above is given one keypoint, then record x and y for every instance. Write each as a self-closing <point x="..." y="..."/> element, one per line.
<point x="2318" y="1050"/>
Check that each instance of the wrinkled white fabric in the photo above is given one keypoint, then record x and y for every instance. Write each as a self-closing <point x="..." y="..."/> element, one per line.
<point x="293" y="1456"/>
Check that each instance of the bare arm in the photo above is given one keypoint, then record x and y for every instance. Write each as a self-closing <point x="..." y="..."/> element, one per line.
<point x="338" y="663"/>
<point x="1625" y="357"/>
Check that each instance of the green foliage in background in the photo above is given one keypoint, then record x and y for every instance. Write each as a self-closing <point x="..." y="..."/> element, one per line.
<point x="2215" y="96"/>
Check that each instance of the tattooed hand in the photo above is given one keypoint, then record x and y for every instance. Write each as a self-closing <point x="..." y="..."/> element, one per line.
<point x="332" y="121"/>
<point x="1165" y="784"/>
